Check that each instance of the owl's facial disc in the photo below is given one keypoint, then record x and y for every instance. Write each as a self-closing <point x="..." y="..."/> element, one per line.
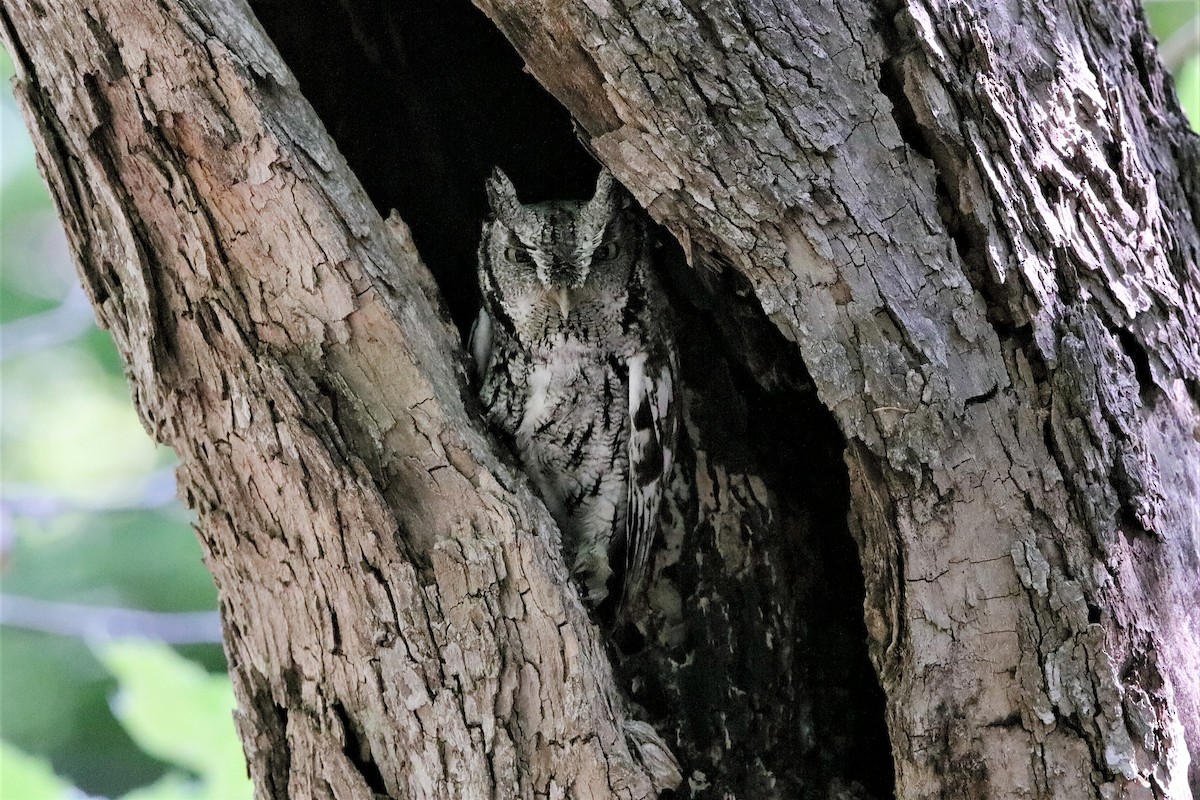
<point x="565" y="281"/>
<point x="556" y="252"/>
<point x="555" y="276"/>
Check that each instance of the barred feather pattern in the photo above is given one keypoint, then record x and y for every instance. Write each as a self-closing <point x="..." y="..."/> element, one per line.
<point x="577" y="363"/>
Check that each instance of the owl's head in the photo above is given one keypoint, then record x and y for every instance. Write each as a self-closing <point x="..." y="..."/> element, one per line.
<point x="561" y="258"/>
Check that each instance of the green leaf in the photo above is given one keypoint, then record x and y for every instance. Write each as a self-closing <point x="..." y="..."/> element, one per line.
<point x="28" y="778"/>
<point x="178" y="712"/>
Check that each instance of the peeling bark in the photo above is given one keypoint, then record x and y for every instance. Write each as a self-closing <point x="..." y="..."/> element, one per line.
<point x="969" y="231"/>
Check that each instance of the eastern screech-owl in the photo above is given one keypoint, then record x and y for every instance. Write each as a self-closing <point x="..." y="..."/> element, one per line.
<point x="575" y="353"/>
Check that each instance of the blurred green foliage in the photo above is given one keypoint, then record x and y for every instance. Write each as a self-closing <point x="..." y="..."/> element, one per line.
<point x="174" y="710"/>
<point x="1176" y="26"/>
<point x="87" y="516"/>
<point x="84" y="520"/>
<point x="184" y="716"/>
<point x="29" y="778"/>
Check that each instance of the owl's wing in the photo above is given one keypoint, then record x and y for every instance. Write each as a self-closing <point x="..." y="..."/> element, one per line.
<point x="653" y="416"/>
<point x="481" y="343"/>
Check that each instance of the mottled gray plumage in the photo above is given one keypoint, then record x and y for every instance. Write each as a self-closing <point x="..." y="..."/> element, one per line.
<point x="577" y="361"/>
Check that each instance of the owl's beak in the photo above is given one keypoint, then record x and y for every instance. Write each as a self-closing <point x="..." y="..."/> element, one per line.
<point x="563" y="298"/>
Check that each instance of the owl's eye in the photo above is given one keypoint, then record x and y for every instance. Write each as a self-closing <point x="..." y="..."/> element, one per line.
<point x="606" y="252"/>
<point x="518" y="255"/>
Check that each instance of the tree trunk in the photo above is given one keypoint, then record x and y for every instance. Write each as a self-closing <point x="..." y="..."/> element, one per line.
<point x="396" y="615"/>
<point x="978" y="225"/>
<point x="969" y="233"/>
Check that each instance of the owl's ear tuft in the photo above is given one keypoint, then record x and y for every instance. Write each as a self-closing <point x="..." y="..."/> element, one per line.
<point x="502" y="195"/>
<point x="609" y="193"/>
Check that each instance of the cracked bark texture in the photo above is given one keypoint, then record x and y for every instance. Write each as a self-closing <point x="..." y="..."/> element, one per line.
<point x="977" y="222"/>
<point x="396" y="615"/>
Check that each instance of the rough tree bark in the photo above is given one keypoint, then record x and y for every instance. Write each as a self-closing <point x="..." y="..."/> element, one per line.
<point x="396" y="615"/>
<point x="976" y="224"/>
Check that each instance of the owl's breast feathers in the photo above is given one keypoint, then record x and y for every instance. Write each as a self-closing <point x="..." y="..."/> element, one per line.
<point x="577" y="367"/>
<point x="594" y="425"/>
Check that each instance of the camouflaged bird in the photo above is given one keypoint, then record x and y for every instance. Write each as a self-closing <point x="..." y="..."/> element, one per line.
<point x="574" y="348"/>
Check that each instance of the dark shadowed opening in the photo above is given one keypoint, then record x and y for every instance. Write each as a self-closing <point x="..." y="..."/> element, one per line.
<point x="423" y="98"/>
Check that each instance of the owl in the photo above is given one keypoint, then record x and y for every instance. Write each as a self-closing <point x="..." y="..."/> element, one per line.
<point x="577" y="365"/>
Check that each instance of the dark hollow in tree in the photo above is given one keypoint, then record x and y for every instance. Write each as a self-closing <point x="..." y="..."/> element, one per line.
<point x="777" y="697"/>
<point x="974" y="223"/>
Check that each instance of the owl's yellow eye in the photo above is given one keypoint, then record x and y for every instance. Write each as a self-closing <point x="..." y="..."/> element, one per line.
<point x="518" y="255"/>
<point x="606" y="252"/>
